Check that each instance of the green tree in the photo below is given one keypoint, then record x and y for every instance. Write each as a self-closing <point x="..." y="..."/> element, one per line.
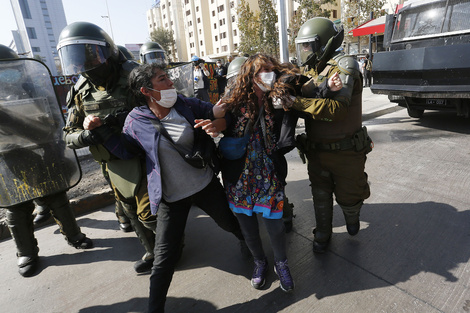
<point x="358" y="12"/>
<point x="165" y="38"/>
<point x="268" y="32"/>
<point x="307" y="9"/>
<point x="248" y="25"/>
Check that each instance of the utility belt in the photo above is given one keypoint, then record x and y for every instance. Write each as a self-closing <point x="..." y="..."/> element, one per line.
<point x="358" y="142"/>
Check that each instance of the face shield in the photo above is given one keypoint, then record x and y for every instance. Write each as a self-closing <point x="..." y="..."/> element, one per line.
<point x="306" y="49"/>
<point x="80" y="56"/>
<point x="155" y="57"/>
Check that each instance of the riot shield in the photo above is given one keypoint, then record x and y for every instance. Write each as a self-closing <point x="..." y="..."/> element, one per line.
<point x="34" y="160"/>
<point x="182" y="76"/>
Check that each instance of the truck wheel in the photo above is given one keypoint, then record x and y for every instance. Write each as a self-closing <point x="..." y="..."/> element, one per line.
<point x="416" y="113"/>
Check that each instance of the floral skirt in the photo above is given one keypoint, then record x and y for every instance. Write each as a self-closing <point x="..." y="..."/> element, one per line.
<point x="258" y="189"/>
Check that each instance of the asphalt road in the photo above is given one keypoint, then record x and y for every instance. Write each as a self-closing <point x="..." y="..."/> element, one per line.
<point x="411" y="255"/>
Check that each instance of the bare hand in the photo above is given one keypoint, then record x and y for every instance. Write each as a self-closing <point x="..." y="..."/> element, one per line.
<point x="212" y="128"/>
<point x="92" y="122"/>
<point x="335" y="83"/>
<point x="219" y="109"/>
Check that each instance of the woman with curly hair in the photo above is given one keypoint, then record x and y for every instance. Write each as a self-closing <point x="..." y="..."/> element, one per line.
<point x="259" y="99"/>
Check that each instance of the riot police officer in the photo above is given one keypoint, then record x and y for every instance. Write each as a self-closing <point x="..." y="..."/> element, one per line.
<point x="336" y="143"/>
<point x="126" y="53"/>
<point x="36" y="165"/>
<point x="86" y="49"/>
<point x="152" y="52"/>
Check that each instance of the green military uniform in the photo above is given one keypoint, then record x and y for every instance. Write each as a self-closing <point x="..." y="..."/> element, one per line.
<point x="335" y="143"/>
<point x="102" y="91"/>
<point x="127" y="177"/>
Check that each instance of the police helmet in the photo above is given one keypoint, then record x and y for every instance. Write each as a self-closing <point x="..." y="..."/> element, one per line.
<point x="316" y="40"/>
<point x="234" y="66"/>
<point x="83" y="47"/>
<point x="7" y="53"/>
<point x="152" y="52"/>
<point x="126" y="53"/>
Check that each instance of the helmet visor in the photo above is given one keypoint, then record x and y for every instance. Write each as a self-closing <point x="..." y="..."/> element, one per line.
<point x="79" y="58"/>
<point x="155" y="57"/>
<point x="306" y="49"/>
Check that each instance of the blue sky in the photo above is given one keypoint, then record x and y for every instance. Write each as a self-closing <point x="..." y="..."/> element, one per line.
<point x="128" y="18"/>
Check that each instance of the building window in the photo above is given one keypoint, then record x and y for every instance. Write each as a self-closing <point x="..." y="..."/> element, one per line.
<point x="198" y="20"/>
<point x="31" y="33"/>
<point x="201" y="43"/>
<point x="215" y="25"/>
<point x="36" y="49"/>
<point x="234" y="32"/>
<point x="188" y="12"/>
<point x="25" y="9"/>
<point x="335" y="14"/>
<point x="235" y="45"/>
<point x="197" y="9"/>
<point x="233" y="18"/>
<point x="220" y="8"/>
<point x="232" y="4"/>
<point x="163" y="7"/>
<point x="223" y="35"/>
<point x="224" y="48"/>
<point x="216" y="38"/>
<point x="213" y="13"/>
<point x="186" y="1"/>
<point x="217" y="50"/>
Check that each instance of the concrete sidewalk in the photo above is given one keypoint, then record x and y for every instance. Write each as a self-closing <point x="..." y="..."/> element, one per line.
<point x="382" y="269"/>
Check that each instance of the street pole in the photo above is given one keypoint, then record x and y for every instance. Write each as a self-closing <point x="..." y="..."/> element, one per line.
<point x="370" y="37"/>
<point x="283" y="46"/>
<point x="109" y="18"/>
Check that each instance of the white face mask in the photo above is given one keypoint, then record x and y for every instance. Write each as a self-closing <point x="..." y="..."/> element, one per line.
<point x="167" y="97"/>
<point x="268" y="79"/>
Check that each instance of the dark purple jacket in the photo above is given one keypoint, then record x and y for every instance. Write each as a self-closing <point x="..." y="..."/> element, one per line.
<point x="140" y="135"/>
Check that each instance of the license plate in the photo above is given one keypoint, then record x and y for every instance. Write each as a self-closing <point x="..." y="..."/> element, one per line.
<point x="440" y="102"/>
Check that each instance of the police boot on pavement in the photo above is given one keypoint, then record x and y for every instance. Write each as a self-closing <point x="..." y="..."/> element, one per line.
<point x="36" y="166"/>
<point x="336" y="142"/>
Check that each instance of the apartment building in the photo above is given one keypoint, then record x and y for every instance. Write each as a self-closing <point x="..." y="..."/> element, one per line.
<point x="39" y="25"/>
<point x="209" y="28"/>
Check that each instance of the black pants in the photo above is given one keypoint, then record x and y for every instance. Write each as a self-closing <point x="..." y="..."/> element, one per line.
<point x="367" y="78"/>
<point x="275" y="229"/>
<point x="171" y="222"/>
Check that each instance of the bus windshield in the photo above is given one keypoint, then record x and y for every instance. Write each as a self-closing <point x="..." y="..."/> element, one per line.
<point x="425" y="19"/>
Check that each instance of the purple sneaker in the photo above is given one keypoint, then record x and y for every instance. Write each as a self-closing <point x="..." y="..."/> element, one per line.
<point x="259" y="273"/>
<point x="282" y="270"/>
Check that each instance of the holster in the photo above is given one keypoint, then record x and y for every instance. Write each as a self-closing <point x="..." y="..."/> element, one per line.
<point x="301" y="142"/>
